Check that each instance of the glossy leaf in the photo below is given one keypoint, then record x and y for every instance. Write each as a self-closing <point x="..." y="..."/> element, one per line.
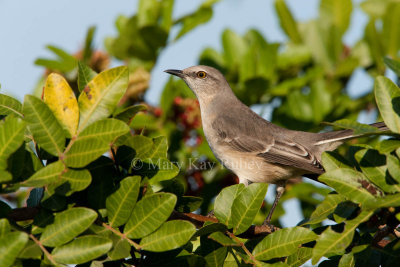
<point x="82" y="249"/>
<point x="94" y="141"/>
<point x="387" y="96"/>
<point x="101" y="95"/>
<point x="348" y="183"/>
<point x="61" y="100"/>
<point x="373" y="165"/>
<point x="223" y="203"/>
<point x="334" y="243"/>
<point x="170" y="235"/>
<point x="200" y="16"/>
<point x="300" y="257"/>
<point x="4" y="227"/>
<point x="222" y="239"/>
<point x="358" y="128"/>
<point x="287" y="22"/>
<point x="67" y="225"/>
<point x="246" y="205"/>
<point x="149" y="213"/>
<point x="46" y="175"/>
<point x="337" y="13"/>
<point x="44" y="126"/>
<point x="128" y="113"/>
<point x="70" y="181"/>
<point x="121" y="203"/>
<point x="11" y="245"/>
<point x="11" y="137"/>
<point x="394" y="65"/>
<point x="85" y="75"/>
<point x="9" y="105"/>
<point x="121" y="248"/>
<point x="282" y="242"/>
<point x="332" y="161"/>
<point x="327" y="207"/>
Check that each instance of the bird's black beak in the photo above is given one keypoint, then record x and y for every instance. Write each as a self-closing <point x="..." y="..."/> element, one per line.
<point x="178" y="73"/>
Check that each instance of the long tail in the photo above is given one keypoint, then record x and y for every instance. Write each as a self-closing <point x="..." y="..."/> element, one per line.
<point x="335" y="138"/>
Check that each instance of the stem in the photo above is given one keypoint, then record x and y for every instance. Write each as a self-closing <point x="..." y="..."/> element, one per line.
<point x="241" y="244"/>
<point x="48" y="255"/>
<point x="118" y="233"/>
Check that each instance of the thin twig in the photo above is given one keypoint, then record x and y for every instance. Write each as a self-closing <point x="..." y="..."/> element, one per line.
<point x="241" y="244"/>
<point x="47" y="253"/>
<point x="118" y="233"/>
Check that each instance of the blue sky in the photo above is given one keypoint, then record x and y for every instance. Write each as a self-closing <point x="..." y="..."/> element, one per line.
<point x="26" y="27"/>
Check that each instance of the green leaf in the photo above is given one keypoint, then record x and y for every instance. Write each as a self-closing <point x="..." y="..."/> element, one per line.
<point x="326" y="208"/>
<point x="332" y="161"/>
<point x="347" y="260"/>
<point x="44" y="126"/>
<point x="394" y="65"/>
<point x="9" y="105"/>
<point x="200" y="16"/>
<point x="223" y="203"/>
<point x="70" y="181"/>
<point x="333" y="243"/>
<point x="121" y="203"/>
<point x="101" y="95"/>
<point x="222" y="239"/>
<point x="85" y="75"/>
<point x="11" y="245"/>
<point x="121" y="248"/>
<point x="171" y="235"/>
<point x="156" y="170"/>
<point x="64" y="63"/>
<point x="358" y="128"/>
<point x="4" y="227"/>
<point x="373" y="165"/>
<point x="287" y="22"/>
<point x="188" y="204"/>
<point x="235" y="48"/>
<point x="246" y="205"/>
<point x="348" y="183"/>
<point x="94" y="141"/>
<point x="384" y="202"/>
<point x="387" y="146"/>
<point x="5" y="176"/>
<point x="11" y="137"/>
<point x="67" y="225"/>
<point x="45" y="175"/>
<point x="31" y="251"/>
<point x="282" y="243"/>
<point x="337" y="13"/>
<point x="81" y="250"/>
<point x="391" y="29"/>
<point x="387" y="96"/>
<point x="128" y="113"/>
<point x="300" y="257"/>
<point x="393" y="167"/>
<point x="149" y="213"/>
<point x="159" y="148"/>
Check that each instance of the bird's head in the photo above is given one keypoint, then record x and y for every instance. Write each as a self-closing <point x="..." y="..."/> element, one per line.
<point x="204" y="81"/>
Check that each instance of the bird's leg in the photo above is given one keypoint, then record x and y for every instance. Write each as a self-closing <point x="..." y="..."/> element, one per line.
<point x="280" y="188"/>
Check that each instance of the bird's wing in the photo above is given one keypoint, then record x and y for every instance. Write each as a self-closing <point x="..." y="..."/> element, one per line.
<point x="271" y="149"/>
<point x="293" y="154"/>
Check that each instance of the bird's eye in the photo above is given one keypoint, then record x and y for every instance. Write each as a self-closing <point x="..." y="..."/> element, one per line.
<point x="201" y="74"/>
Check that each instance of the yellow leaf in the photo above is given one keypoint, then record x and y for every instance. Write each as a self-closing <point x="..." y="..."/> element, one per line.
<point x="60" y="98"/>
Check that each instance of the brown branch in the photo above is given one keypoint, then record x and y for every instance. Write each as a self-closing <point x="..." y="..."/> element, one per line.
<point x="28" y="213"/>
<point x="241" y="244"/>
<point x="45" y="251"/>
<point x="23" y="214"/>
<point x="118" y="233"/>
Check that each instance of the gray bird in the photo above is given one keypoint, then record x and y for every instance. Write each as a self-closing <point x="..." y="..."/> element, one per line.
<point x="255" y="149"/>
